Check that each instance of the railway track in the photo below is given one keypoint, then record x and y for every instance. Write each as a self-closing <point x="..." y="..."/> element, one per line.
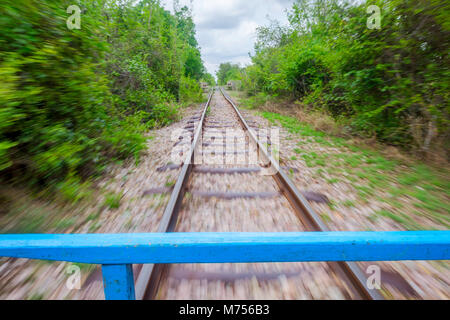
<point x="220" y="196"/>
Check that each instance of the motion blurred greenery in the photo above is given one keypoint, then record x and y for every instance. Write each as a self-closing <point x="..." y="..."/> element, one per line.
<point x="228" y="71"/>
<point x="391" y="83"/>
<point x="73" y="101"/>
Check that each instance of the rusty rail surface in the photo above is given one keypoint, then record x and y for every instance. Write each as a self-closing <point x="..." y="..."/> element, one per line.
<point x="150" y="276"/>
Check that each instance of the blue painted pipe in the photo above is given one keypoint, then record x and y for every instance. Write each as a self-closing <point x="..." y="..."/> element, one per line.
<point x="181" y="248"/>
<point x="117" y="252"/>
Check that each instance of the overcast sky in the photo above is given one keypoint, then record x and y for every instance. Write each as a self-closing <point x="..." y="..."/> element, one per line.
<point x="226" y="29"/>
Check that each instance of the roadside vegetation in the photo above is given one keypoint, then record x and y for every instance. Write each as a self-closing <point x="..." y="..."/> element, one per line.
<point x="74" y="101"/>
<point x="390" y="84"/>
<point x="412" y="194"/>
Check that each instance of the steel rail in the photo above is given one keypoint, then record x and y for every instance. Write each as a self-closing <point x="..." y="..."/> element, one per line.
<point x="150" y="276"/>
<point x="349" y="271"/>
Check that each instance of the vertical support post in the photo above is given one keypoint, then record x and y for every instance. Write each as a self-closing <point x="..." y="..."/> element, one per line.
<point x="118" y="282"/>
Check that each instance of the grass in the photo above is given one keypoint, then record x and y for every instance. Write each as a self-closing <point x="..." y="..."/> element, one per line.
<point x="170" y="183"/>
<point x="35" y="223"/>
<point x="352" y="160"/>
<point x="112" y="200"/>
<point x="377" y="179"/>
<point x="254" y="101"/>
<point x="27" y="216"/>
<point x="93" y="216"/>
<point x="424" y="176"/>
<point x="400" y="218"/>
<point x="28" y="213"/>
<point x="65" y="223"/>
<point x="381" y="163"/>
<point x="364" y="192"/>
<point x="312" y="159"/>
<point x="323" y="141"/>
<point x="394" y="203"/>
<point x="129" y="224"/>
<point x="400" y="184"/>
<point x="326" y="218"/>
<point x="84" y="267"/>
<point x="372" y="174"/>
<point x="73" y="190"/>
<point x="390" y="215"/>
<point x="36" y="296"/>
<point x="320" y="173"/>
<point x="94" y="227"/>
<point x="292" y="124"/>
<point x="332" y="205"/>
<point x="349" y="204"/>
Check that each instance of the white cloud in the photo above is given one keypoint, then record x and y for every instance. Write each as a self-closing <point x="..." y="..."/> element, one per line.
<point x="226" y="29"/>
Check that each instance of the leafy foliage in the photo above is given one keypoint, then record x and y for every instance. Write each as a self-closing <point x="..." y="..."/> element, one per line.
<point x="73" y="100"/>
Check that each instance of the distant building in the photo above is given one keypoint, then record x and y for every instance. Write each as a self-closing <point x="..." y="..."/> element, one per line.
<point x="234" y="85"/>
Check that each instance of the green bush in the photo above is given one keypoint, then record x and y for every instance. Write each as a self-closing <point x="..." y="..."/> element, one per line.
<point x="392" y="83"/>
<point x="190" y="90"/>
<point x="73" y="189"/>
<point x="72" y="101"/>
<point x="124" y="137"/>
<point x="53" y="101"/>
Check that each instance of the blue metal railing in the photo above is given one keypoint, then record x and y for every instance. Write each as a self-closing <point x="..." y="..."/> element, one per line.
<point x="118" y="252"/>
